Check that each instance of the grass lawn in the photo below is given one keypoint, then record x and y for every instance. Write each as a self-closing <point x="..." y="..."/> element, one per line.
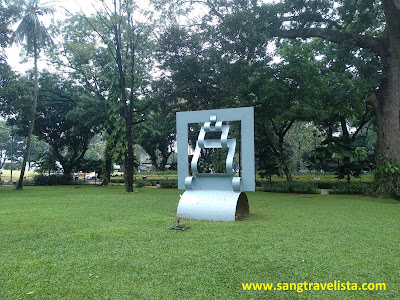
<point x="100" y="243"/>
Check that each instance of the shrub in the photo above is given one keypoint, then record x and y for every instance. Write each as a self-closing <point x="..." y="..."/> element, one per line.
<point x="27" y="182"/>
<point x="353" y="188"/>
<point x="117" y="180"/>
<point x="141" y="183"/>
<point x="53" y="180"/>
<point x="259" y="183"/>
<point x="326" y="184"/>
<point x="169" y="183"/>
<point x="291" y="187"/>
<point x="164" y="173"/>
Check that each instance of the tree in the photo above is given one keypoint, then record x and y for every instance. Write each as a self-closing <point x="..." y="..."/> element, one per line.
<point x="11" y="145"/>
<point x="32" y="31"/>
<point x="156" y="134"/>
<point x="202" y="77"/>
<point x="68" y="119"/>
<point x="8" y="11"/>
<point x="8" y="89"/>
<point x="194" y="70"/>
<point x="5" y="140"/>
<point x="111" y="54"/>
<point x="368" y="26"/>
<point x="341" y="155"/>
<point x="46" y="162"/>
<point x="283" y="93"/>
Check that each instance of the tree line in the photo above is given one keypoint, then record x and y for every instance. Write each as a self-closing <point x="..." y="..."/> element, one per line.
<point x="321" y="71"/>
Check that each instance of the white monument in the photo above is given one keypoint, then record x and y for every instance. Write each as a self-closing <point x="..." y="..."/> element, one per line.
<point x="215" y="196"/>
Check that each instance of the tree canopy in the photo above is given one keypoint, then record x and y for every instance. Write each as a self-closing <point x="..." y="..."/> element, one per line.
<point x="302" y="64"/>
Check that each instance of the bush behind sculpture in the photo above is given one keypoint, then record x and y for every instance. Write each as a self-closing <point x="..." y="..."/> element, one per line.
<point x="53" y="180"/>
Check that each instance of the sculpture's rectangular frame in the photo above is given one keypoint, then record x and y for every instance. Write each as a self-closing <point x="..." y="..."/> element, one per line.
<point x="244" y="114"/>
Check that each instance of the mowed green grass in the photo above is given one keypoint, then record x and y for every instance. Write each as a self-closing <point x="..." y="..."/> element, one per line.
<point x="101" y="243"/>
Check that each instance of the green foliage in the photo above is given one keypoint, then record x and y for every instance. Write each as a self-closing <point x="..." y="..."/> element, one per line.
<point x="387" y="177"/>
<point x="162" y="173"/>
<point x="341" y="155"/>
<point x="168" y="183"/>
<point x="28" y="182"/>
<point x="163" y="183"/>
<point x="111" y="53"/>
<point x="327" y="184"/>
<point x="212" y="160"/>
<point x="156" y="134"/>
<point x="142" y="182"/>
<point x="46" y="162"/>
<point x="8" y="11"/>
<point x="53" y="180"/>
<point x="9" y="89"/>
<point x="307" y="85"/>
<point x="31" y="30"/>
<point x="291" y="187"/>
<point x="92" y="165"/>
<point x="300" y="140"/>
<point x="117" y="180"/>
<point x="353" y="188"/>
<point x="34" y="36"/>
<point x="69" y="118"/>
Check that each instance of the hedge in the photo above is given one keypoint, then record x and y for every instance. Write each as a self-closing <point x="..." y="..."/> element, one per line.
<point x="352" y="188"/>
<point x="291" y="187"/>
<point x="53" y="180"/>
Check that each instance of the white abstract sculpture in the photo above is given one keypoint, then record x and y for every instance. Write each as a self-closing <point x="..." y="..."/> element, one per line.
<point x="215" y="196"/>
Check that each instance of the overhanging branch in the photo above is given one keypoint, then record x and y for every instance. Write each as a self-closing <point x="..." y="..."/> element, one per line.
<point x="376" y="44"/>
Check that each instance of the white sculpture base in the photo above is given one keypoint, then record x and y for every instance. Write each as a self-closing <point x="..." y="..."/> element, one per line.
<point x="213" y="205"/>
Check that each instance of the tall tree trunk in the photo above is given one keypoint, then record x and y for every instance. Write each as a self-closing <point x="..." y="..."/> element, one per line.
<point x="387" y="112"/>
<point x="386" y="103"/>
<point x="129" y="155"/>
<point x="128" y="105"/>
<point x="33" y="117"/>
<point x="388" y="95"/>
<point x="129" y="116"/>
<point x="387" y="109"/>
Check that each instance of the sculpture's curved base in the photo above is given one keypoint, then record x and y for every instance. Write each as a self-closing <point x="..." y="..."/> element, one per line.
<point x="213" y="205"/>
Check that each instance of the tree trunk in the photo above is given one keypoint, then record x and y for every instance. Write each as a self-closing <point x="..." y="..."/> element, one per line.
<point x="387" y="111"/>
<point x="164" y="160"/>
<point x="108" y="163"/>
<point x="288" y="174"/>
<point x="33" y="117"/>
<point x="388" y="131"/>
<point x="386" y="103"/>
<point x="67" y="169"/>
<point x="129" y="155"/>
<point x="128" y="106"/>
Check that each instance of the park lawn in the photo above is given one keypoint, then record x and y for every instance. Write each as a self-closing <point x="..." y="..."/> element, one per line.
<point x="94" y="242"/>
